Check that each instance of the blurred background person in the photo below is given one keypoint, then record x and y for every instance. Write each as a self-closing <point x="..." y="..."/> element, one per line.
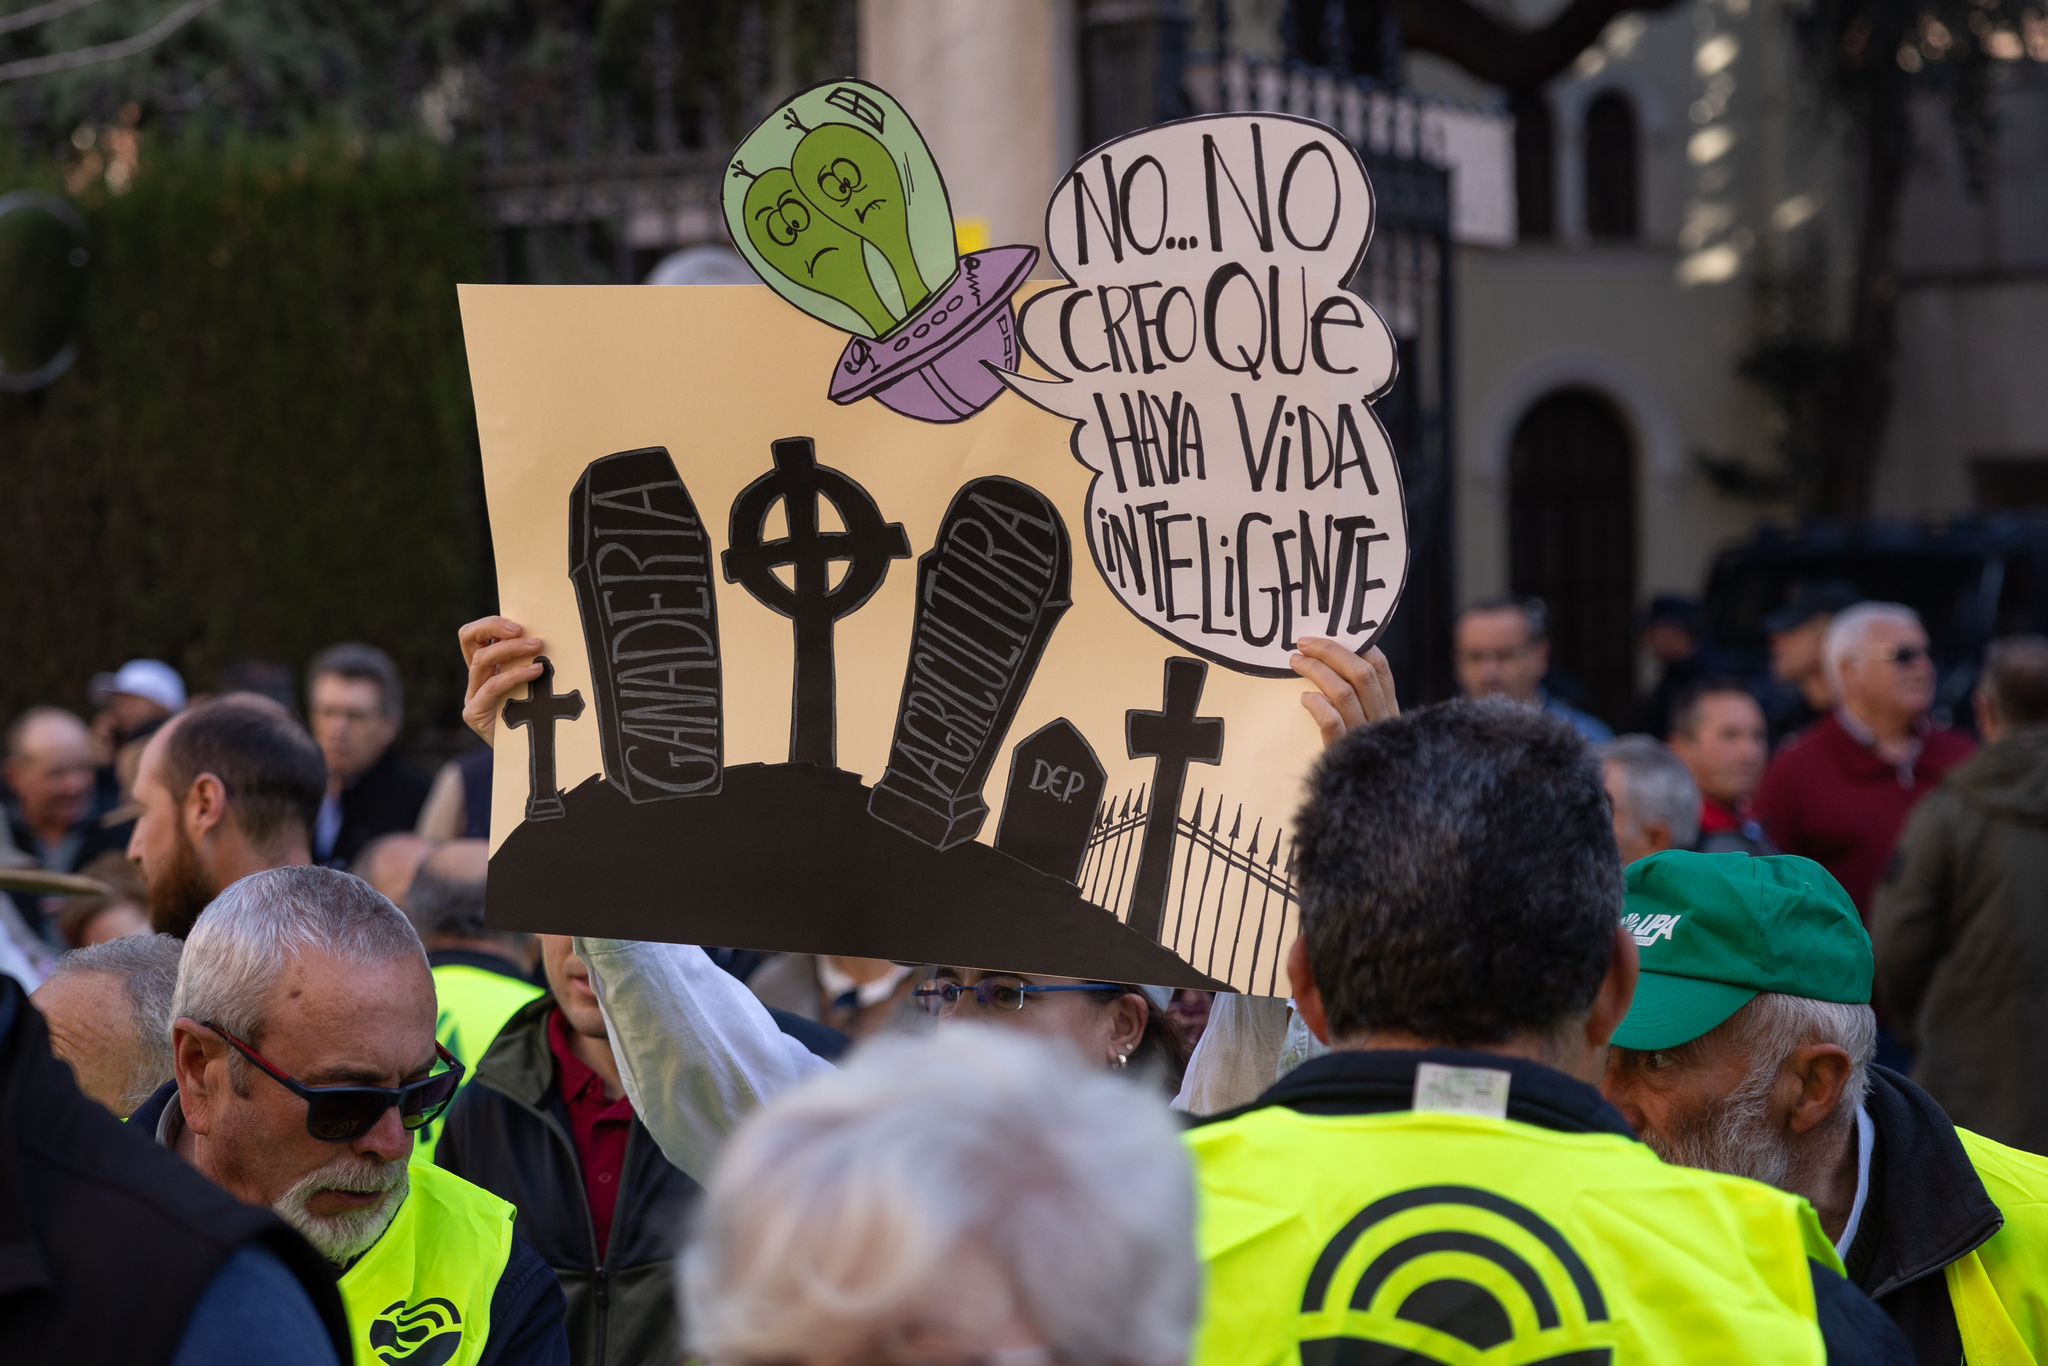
<point x="355" y="704"/>
<point x="1501" y="651"/>
<point x="859" y="997"/>
<point x="546" y="1125"/>
<point x="1655" y="803"/>
<point x="130" y="704"/>
<point x="1718" y="733"/>
<point x="458" y="804"/>
<point x="390" y="863"/>
<point x="90" y="918"/>
<point x="1673" y="632"/>
<point x="1840" y="792"/>
<point x="973" y="1195"/>
<point x="227" y="788"/>
<point x="109" y="1013"/>
<point x="1961" y="924"/>
<point x="482" y="976"/>
<point x="52" y="814"/>
<point x="1798" y="633"/>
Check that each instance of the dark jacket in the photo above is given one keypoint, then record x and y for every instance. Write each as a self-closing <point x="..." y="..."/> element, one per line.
<point x="386" y="800"/>
<point x="526" y="1308"/>
<point x="1363" y="1083"/>
<point x="107" y="1242"/>
<point x="509" y="1133"/>
<point x="1926" y="1208"/>
<point x="1961" y="932"/>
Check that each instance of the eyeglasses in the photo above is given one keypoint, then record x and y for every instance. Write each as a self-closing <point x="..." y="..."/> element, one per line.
<point x="1902" y="655"/>
<point x="343" y="1114"/>
<point x="999" y="993"/>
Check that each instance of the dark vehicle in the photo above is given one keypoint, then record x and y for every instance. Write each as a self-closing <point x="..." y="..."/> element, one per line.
<point x="1971" y="579"/>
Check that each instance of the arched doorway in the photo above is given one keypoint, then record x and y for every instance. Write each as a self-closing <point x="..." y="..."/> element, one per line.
<point x="1572" y="539"/>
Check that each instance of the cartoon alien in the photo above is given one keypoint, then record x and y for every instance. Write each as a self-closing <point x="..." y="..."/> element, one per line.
<point x="812" y="249"/>
<point x="852" y="179"/>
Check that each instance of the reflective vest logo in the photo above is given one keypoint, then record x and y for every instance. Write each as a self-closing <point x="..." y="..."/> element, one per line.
<point x="1648" y="929"/>
<point x="423" y="1334"/>
<point x="1448" y="1272"/>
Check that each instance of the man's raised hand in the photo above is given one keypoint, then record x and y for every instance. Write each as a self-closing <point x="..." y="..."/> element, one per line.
<point x="501" y="658"/>
<point x="1351" y="690"/>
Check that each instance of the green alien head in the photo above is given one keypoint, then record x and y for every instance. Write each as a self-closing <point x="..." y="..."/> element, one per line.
<point x="808" y="247"/>
<point x="842" y="166"/>
<point x="850" y="176"/>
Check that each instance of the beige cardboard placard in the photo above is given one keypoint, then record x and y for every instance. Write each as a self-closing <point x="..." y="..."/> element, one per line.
<point x="834" y="677"/>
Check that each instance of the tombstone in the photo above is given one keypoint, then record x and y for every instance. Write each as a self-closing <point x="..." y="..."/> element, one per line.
<point x="989" y="592"/>
<point x="1049" y="804"/>
<point x="1176" y="736"/>
<point x="641" y="564"/>
<point x="811" y="600"/>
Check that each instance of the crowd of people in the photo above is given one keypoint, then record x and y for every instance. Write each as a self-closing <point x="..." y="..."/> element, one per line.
<point x="1704" y="1042"/>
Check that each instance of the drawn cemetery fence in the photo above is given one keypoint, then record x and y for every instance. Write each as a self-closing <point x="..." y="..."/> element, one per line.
<point x="1221" y="875"/>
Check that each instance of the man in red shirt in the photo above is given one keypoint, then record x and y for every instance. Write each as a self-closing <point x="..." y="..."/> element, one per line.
<point x="1839" y="792"/>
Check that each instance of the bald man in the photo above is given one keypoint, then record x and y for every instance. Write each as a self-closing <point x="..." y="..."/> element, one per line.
<point x="50" y="812"/>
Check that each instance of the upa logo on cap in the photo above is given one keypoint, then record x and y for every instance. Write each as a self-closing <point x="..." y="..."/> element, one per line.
<point x="1648" y="929"/>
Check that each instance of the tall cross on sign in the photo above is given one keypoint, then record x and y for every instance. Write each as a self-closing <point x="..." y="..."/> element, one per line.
<point x="541" y="709"/>
<point x="812" y="601"/>
<point x="1176" y="737"/>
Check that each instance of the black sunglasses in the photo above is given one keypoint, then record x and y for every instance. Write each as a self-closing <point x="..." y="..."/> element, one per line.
<point x="343" y="1114"/>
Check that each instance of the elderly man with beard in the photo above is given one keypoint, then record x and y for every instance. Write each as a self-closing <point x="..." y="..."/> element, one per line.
<point x="1748" y="1051"/>
<point x="227" y="788"/>
<point x="303" y="1040"/>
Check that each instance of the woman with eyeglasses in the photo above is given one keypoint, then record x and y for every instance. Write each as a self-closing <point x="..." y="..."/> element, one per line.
<point x="697" y="1051"/>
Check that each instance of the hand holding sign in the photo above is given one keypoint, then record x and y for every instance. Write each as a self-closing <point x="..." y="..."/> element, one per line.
<point x="1221" y="378"/>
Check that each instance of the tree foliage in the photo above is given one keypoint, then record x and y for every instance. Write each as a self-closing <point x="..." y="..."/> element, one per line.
<point x="267" y="445"/>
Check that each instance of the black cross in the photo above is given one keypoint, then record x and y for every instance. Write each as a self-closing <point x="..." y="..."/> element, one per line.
<point x="812" y="601"/>
<point x="1176" y="737"/>
<point x="541" y="709"/>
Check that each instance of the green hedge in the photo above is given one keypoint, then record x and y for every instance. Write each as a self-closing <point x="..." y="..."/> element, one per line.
<point x="268" y="444"/>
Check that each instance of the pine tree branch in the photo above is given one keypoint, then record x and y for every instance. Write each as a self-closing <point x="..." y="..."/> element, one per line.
<point x="31" y="67"/>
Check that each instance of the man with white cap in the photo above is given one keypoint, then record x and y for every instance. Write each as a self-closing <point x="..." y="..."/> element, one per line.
<point x="130" y="704"/>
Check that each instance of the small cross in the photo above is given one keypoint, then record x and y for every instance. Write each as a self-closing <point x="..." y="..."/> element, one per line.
<point x="541" y="709"/>
<point x="1176" y="737"/>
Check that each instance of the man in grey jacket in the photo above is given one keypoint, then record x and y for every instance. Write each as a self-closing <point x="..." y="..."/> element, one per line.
<point x="1959" y="923"/>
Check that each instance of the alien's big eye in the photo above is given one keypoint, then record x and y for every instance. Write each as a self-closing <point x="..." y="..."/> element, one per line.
<point x="840" y="180"/>
<point x="790" y="219"/>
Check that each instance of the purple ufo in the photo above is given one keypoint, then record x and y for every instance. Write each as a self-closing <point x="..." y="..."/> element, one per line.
<point x="939" y="364"/>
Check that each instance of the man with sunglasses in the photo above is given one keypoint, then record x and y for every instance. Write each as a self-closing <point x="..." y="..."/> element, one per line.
<point x="1840" y="792"/>
<point x="303" y="1040"/>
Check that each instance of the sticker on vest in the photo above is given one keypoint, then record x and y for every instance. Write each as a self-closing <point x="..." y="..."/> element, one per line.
<point x="1479" y="1091"/>
<point x="425" y="1334"/>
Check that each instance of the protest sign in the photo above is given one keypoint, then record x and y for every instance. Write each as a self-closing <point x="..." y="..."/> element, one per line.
<point x="851" y="650"/>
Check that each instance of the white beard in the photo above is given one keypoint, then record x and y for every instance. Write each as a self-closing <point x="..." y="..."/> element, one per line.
<point x="341" y="1238"/>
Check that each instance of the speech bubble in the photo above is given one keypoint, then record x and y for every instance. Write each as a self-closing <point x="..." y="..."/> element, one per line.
<point x="1221" y="381"/>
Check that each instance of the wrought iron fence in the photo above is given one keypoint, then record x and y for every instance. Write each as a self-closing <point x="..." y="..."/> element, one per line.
<point x="1217" y="879"/>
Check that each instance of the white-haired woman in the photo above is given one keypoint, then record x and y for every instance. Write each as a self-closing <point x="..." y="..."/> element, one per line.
<point x="698" y="1053"/>
<point x="973" y="1195"/>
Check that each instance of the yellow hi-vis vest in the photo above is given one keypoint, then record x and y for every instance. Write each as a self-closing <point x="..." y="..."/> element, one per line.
<point x="2000" y="1290"/>
<point x="422" y="1295"/>
<point x="1425" y="1237"/>
<point x="474" y="1004"/>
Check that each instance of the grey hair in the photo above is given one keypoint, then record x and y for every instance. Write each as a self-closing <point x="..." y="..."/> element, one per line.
<point x="147" y="967"/>
<point x="1660" y="787"/>
<point x="940" y="1180"/>
<point x="1770" y="1028"/>
<point x="243" y="942"/>
<point x="1850" y="630"/>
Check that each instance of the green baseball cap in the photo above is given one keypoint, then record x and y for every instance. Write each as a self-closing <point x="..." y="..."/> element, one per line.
<point x="1714" y="930"/>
